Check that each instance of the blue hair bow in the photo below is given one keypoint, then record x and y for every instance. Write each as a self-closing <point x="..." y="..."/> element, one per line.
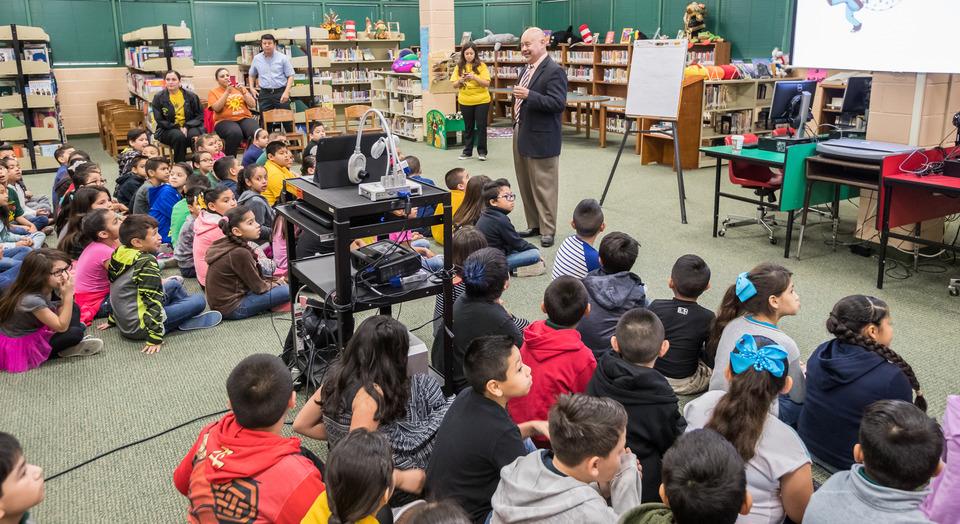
<point x="473" y="273"/>
<point x="745" y="288"/>
<point x="748" y="355"/>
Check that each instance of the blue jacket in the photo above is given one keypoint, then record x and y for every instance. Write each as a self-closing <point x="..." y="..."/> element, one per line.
<point x="842" y="380"/>
<point x="162" y="198"/>
<point x="496" y="226"/>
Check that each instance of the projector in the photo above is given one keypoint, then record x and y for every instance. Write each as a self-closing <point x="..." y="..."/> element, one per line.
<point x="376" y="191"/>
<point x="384" y="260"/>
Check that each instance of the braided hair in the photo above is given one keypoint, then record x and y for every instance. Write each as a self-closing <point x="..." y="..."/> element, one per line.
<point x="232" y="219"/>
<point x="848" y="319"/>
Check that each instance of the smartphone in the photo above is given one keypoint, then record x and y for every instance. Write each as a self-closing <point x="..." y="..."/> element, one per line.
<point x="233" y="80"/>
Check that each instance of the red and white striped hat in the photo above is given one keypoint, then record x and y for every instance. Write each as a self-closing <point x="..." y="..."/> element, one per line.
<point x="585" y="34"/>
<point x="350" y="30"/>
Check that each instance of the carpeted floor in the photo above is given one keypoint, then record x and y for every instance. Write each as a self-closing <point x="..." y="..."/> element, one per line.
<point x="67" y="412"/>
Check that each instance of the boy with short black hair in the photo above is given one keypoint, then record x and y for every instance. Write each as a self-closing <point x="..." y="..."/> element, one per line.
<point x="137" y="139"/>
<point x="145" y="307"/>
<point x="559" y="361"/>
<point x="626" y="375"/>
<point x="899" y="451"/>
<point x="587" y="434"/>
<point x="317" y="133"/>
<point x="576" y="255"/>
<point x="242" y="461"/>
<point x="687" y="365"/>
<point x="456" y="181"/>
<point x="21" y="484"/>
<point x="226" y="170"/>
<point x="703" y="481"/>
<point x="613" y="290"/>
<point x="496" y="226"/>
<point x="158" y="172"/>
<point x="279" y="160"/>
<point x="129" y="185"/>
<point x="477" y="436"/>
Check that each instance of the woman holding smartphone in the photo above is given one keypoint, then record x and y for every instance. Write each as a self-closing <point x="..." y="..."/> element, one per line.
<point x="472" y="78"/>
<point x="231" y="103"/>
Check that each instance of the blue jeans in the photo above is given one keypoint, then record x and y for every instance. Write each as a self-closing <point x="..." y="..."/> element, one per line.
<point x="789" y="411"/>
<point x="523" y="258"/>
<point x="179" y="305"/>
<point x="16" y="253"/>
<point x="254" y="304"/>
<point x="37" y="238"/>
<point x="39" y="221"/>
<point x="9" y="269"/>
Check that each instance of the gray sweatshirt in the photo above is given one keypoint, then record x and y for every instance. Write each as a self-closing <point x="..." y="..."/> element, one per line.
<point x="530" y="492"/>
<point x="183" y="252"/>
<point x="849" y="498"/>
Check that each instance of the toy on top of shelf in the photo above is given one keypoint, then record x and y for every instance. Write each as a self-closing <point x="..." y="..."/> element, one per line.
<point x="694" y="17"/>
<point x="350" y="30"/>
<point x="778" y="63"/>
<point x="585" y="34"/>
<point x="380" y="31"/>
<point x="406" y="62"/>
<point x="496" y="40"/>
<point x="566" y="36"/>
<point x="368" y="28"/>
<point x="331" y="22"/>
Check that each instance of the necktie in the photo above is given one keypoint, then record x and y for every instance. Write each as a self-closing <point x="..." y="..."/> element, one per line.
<point x="524" y="82"/>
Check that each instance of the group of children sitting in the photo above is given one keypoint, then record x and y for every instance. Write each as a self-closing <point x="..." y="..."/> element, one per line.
<point x="571" y="418"/>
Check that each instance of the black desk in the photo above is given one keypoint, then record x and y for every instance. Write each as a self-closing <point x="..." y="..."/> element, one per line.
<point x="331" y="275"/>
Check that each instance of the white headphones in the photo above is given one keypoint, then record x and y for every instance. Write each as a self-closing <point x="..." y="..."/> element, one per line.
<point x="357" y="165"/>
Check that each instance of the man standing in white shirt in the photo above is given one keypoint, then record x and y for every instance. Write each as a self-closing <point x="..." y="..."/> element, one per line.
<point x="272" y="76"/>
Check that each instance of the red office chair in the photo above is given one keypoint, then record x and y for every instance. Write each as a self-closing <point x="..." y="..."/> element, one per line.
<point x="764" y="182"/>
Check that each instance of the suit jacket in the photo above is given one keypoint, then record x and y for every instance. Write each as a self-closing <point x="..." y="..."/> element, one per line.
<point x="539" y="133"/>
<point x="163" y="111"/>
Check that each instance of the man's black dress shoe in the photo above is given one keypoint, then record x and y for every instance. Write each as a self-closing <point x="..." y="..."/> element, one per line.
<point x="546" y="240"/>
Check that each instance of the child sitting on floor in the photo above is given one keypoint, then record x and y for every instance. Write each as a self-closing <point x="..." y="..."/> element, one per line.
<point x="183" y="250"/>
<point x="456" y="181"/>
<point x="278" y="169"/>
<point x="36" y="210"/>
<point x="779" y="474"/>
<point x="203" y="165"/>
<point x="703" y="481"/>
<point x="273" y="136"/>
<point x="179" y="213"/>
<point x="234" y="286"/>
<point x="128" y="184"/>
<point x="226" y="170"/>
<point x="317" y="133"/>
<point x="360" y="480"/>
<point x="253" y="184"/>
<point x="626" y="375"/>
<point x="100" y="238"/>
<point x="496" y="225"/>
<point x="62" y="155"/>
<point x="9" y="239"/>
<point x="137" y="139"/>
<point x="754" y="305"/>
<point x="587" y="434"/>
<point x="85" y="200"/>
<point x="40" y="319"/>
<point x="269" y="475"/>
<point x="22" y="482"/>
<point x="576" y="255"/>
<point x="164" y="197"/>
<point x="613" y="290"/>
<point x="212" y="144"/>
<point x="898" y="452"/>
<point x="477" y="437"/>
<point x="255" y="148"/>
<point x="145" y="307"/>
<point x="473" y="203"/>
<point x="847" y="374"/>
<point x="558" y="360"/>
<point x="158" y="172"/>
<point x="687" y="365"/>
<point x="206" y="226"/>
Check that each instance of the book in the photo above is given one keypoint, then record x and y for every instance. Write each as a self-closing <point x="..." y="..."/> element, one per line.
<point x="10" y="120"/>
<point x="36" y="53"/>
<point x="7" y="54"/>
<point x="466" y="37"/>
<point x="8" y="87"/>
<point x="609" y="38"/>
<point x="41" y="87"/>
<point x="46" y="119"/>
<point x="626" y="35"/>
<point x="368" y="54"/>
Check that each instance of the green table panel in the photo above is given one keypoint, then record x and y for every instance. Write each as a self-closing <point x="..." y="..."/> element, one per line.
<point x="795" y="181"/>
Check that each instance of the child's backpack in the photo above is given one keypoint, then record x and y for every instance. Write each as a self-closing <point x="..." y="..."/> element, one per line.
<point x="311" y="345"/>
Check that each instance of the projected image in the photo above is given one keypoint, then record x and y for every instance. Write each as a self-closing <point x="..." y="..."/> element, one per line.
<point x="852" y="6"/>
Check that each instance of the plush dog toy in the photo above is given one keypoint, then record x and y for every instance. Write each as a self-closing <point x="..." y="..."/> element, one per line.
<point x="496" y="40"/>
<point x="693" y="19"/>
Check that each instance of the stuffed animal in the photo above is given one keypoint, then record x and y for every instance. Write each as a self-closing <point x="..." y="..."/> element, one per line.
<point x="586" y="34"/>
<point x="496" y="40"/>
<point x="368" y="28"/>
<point x="693" y="19"/>
<point x="380" y="31"/>
<point x="778" y="63"/>
<point x="566" y="36"/>
<point x="407" y="62"/>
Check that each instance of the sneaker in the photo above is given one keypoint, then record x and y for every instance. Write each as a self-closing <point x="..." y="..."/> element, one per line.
<point x="88" y="346"/>
<point x="482" y="158"/>
<point x="204" y="320"/>
<point x="282" y="308"/>
<point x="532" y="271"/>
<point x="48" y="230"/>
<point x="464" y="156"/>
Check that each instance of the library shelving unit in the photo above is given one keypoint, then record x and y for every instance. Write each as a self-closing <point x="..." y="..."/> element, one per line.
<point x="732" y="107"/>
<point x="336" y="72"/>
<point x="399" y="96"/>
<point x="709" y="53"/>
<point x="828" y="113"/>
<point x="30" y="113"/>
<point x="153" y="54"/>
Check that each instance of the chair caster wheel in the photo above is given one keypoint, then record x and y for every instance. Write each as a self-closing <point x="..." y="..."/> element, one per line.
<point x="773" y="241"/>
<point x="955" y="292"/>
<point x="721" y="233"/>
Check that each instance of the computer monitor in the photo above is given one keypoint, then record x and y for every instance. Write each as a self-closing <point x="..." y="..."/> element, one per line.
<point x="333" y="154"/>
<point x="787" y="99"/>
<point x="856" y="97"/>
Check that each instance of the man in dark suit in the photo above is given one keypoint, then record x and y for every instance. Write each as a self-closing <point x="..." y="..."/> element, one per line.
<point x="540" y="98"/>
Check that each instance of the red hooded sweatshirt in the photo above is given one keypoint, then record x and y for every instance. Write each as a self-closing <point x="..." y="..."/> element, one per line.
<point x="559" y="362"/>
<point x="233" y="474"/>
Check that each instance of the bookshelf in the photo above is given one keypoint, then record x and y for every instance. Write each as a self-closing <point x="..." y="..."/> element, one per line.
<point x="827" y="104"/>
<point x="732" y="107"/>
<point x="155" y="52"/>
<point x="332" y="72"/>
<point x="399" y="96"/>
<point x="28" y="104"/>
<point x="709" y="54"/>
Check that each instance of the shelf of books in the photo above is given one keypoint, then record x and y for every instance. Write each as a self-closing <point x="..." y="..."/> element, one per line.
<point x="335" y="72"/>
<point x="155" y="54"/>
<point x="399" y="96"/>
<point x="29" y="113"/>
<point x="733" y="107"/>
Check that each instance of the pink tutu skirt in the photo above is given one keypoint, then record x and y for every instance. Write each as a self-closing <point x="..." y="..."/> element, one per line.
<point x="25" y="353"/>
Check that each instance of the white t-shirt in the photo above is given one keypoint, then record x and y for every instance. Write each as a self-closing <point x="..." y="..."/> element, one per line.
<point x="779" y="451"/>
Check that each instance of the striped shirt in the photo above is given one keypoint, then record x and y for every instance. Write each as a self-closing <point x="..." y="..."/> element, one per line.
<point x="575" y="258"/>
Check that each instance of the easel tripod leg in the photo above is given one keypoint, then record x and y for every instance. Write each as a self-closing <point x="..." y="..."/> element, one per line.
<point x="615" y="163"/>
<point x="680" y="188"/>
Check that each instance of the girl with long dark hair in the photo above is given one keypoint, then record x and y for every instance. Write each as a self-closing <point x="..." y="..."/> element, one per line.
<point x="472" y="79"/>
<point x="473" y="203"/>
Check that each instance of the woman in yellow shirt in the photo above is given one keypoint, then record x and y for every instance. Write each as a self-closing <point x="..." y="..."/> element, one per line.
<point x="472" y="78"/>
<point x="178" y="115"/>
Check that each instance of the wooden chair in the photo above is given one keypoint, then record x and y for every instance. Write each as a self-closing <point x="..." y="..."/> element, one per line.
<point x="325" y="115"/>
<point x="102" y="107"/>
<point x="285" y="117"/>
<point x="119" y="123"/>
<point x="353" y="114"/>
